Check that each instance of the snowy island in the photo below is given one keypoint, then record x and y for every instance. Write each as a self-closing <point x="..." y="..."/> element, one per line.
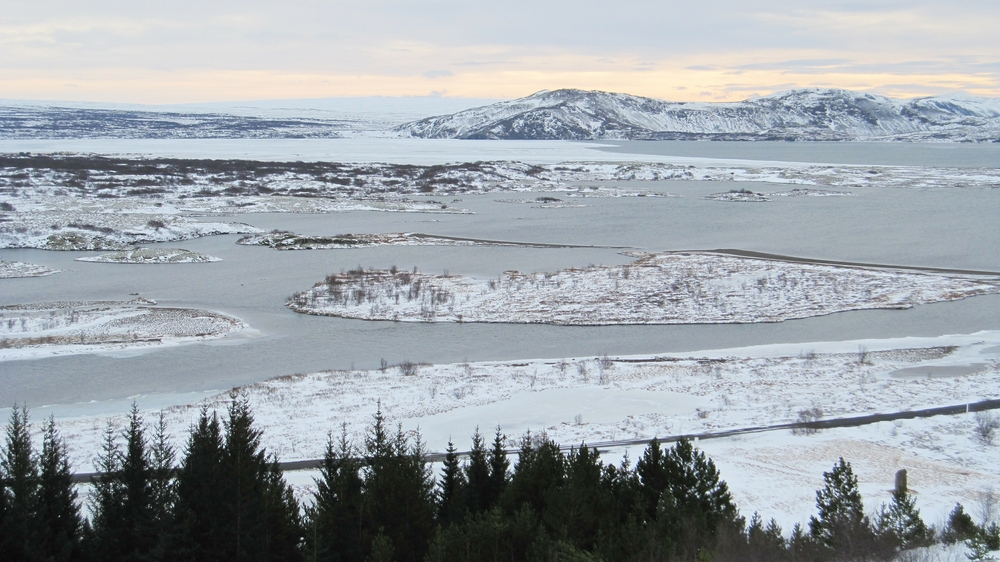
<point x="667" y="288"/>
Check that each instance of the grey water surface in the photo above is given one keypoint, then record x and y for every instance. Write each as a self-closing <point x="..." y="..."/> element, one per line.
<point x="948" y="228"/>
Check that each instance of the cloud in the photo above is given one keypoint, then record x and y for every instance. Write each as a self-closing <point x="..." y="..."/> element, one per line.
<point x="186" y="50"/>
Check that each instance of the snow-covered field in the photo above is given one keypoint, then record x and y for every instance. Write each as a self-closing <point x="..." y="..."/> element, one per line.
<point x="152" y="255"/>
<point x="669" y="288"/>
<point x="12" y="269"/>
<point x="600" y="399"/>
<point x="30" y="331"/>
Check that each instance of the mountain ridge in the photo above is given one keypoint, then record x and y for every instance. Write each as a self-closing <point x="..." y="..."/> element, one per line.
<point x="803" y="114"/>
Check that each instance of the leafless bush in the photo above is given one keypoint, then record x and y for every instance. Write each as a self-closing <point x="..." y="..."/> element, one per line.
<point x="581" y="369"/>
<point x="986" y="508"/>
<point x="383" y="365"/>
<point x="407" y="368"/>
<point x="863" y="355"/>
<point x="986" y="427"/>
<point x="806" y="416"/>
<point x="605" y="362"/>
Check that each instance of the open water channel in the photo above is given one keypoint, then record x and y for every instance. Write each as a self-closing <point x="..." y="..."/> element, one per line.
<point x="949" y="228"/>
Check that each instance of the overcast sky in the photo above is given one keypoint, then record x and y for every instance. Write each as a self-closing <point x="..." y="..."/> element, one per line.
<point x="202" y="50"/>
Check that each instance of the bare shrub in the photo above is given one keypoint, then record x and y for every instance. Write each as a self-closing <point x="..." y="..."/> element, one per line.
<point x="581" y="369"/>
<point x="808" y="415"/>
<point x="986" y="427"/>
<point x="863" y="355"/>
<point x="407" y="368"/>
<point x="383" y="365"/>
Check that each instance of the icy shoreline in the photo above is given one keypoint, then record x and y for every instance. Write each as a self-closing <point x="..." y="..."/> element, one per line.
<point x="15" y="269"/>
<point x="31" y="331"/>
<point x="671" y="288"/>
<point x="152" y="255"/>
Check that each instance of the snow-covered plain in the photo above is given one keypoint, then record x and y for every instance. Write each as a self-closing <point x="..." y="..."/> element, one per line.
<point x="600" y="399"/>
<point x="31" y="331"/>
<point x="669" y="288"/>
<point x="152" y="255"/>
<point x="12" y="269"/>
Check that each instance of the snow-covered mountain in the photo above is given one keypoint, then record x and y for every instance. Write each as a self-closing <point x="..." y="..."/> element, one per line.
<point x="808" y="114"/>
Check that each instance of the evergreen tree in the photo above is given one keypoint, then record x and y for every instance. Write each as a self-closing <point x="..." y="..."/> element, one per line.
<point x="163" y="491"/>
<point x="200" y="493"/>
<point x="539" y="469"/>
<point x="451" y="495"/>
<point x="57" y="518"/>
<point x="899" y="525"/>
<point x="122" y="500"/>
<point x="19" y="471"/>
<point x="260" y="519"/>
<point x="333" y="530"/>
<point x="398" y="491"/>
<point x="499" y="468"/>
<point x="575" y="508"/>
<point x="477" y="477"/>
<point x="842" y="526"/>
<point x="960" y="526"/>
<point x="683" y="492"/>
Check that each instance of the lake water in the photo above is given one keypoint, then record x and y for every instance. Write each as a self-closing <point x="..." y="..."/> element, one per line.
<point x="953" y="228"/>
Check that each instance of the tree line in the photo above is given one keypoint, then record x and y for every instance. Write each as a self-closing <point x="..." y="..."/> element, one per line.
<point x="224" y="498"/>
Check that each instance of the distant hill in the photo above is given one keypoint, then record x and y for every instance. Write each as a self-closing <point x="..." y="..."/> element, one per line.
<point x="808" y="114"/>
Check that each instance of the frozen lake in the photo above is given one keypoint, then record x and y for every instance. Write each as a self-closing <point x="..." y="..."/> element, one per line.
<point x="951" y="228"/>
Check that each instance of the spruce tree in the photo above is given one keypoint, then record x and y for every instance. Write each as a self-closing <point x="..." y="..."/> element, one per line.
<point x="960" y="526"/>
<point x="19" y="471"/>
<point x="499" y="468"/>
<point x="451" y="495"/>
<point x="57" y="522"/>
<point x="123" y="504"/>
<point x="200" y="493"/>
<point x="900" y="525"/>
<point x="333" y="529"/>
<point x="259" y="515"/>
<point x="398" y="490"/>
<point x="539" y="469"/>
<point x="477" y="477"/>
<point x="842" y="526"/>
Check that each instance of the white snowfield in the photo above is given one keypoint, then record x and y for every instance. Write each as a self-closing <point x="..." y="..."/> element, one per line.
<point x="152" y="255"/>
<point x="600" y="399"/>
<point x="38" y="330"/>
<point x="669" y="288"/>
<point x="12" y="269"/>
<point x="804" y="114"/>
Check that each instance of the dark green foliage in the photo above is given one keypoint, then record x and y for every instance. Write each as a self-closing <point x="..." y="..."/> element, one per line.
<point x="451" y="490"/>
<point x="19" y="471"/>
<point x="683" y="493"/>
<point x="960" y="526"/>
<point x="499" y="468"/>
<point x="123" y="504"/>
<point x="899" y="526"/>
<point x="842" y="526"/>
<point x="477" y="477"/>
<point x="259" y="514"/>
<point x="398" y="492"/>
<point x="199" y="490"/>
<point x="57" y="514"/>
<point x="333" y="526"/>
